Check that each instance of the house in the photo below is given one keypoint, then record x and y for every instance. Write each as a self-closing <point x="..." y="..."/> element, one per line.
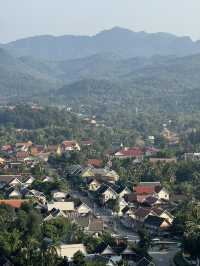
<point x="86" y="172"/>
<point x="132" y="153"/>
<point x="43" y="156"/>
<point x="121" y="190"/>
<point x="192" y="156"/>
<point x="97" y="163"/>
<point x="105" y="174"/>
<point x="7" y="148"/>
<point x="152" y="201"/>
<point x="155" y="224"/>
<point x="86" y="143"/>
<point x="27" y="181"/>
<point x="163" y="214"/>
<point x="122" y="204"/>
<point x="146" y="187"/>
<point x="58" y="195"/>
<point x="100" y="260"/>
<point x="82" y="208"/>
<point x="14" y="203"/>
<point x="14" y="192"/>
<point x="22" y="155"/>
<point x="105" y="250"/>
<point x="135" y="198"/>
<point x="90" y="223"/>
<point x="55" y="213"/>
<point x="70" y="145"/>
<point x="35" y="194"/>
<point x="151" y="151"/>
<point x="66" y="206"/>
<point x="2" y="162"/>
<point x="128" y="254"/>
<point x="47" y="179"/>
<point x="23" y="146"/>
<point x="106" y="193"/>
<point x="93" y="184"/>
<point x="10" y="180"/>
<point x="162" y="193"/>
<point x="36" y="149"/>
<point x="54" y="149"/>
<point x="68" y="251"/>
<point x="141" y="214"/>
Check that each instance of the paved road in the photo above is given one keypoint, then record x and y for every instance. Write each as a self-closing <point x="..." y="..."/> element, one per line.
<point x="113" y="223"/>
<point x="165" y="257"/>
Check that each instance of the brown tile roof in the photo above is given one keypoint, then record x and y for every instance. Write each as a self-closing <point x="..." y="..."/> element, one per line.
<point x="13" y="203"/>
<point x="8" y="178"/>
<point x="95" y="162"/>
<point x="142" y="212"/>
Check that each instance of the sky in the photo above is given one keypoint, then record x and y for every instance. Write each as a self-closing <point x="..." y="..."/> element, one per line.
<point x="23" y="18"/>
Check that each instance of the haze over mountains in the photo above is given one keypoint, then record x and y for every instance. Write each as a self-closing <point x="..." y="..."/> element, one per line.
<point x="116" y="66"/>
<point x="123" y="42"/>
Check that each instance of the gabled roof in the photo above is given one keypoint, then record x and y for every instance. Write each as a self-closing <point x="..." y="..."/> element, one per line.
<point x="142" y="212"/>
<point x="91" y="180"/>
<point x="105" y="249"/>
<point x="128" y="251"/>
<point x="118" y="189"/>
<point x="154" y="221"/>
<point x="151" y="200"/>
<point x="125" y="210"/>
<point x="9" y="178"/>
<point x="103" y="188"/>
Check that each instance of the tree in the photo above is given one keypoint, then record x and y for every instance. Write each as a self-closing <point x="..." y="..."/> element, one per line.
<point x="145" y="240"/>
<point x="79" y="259"/>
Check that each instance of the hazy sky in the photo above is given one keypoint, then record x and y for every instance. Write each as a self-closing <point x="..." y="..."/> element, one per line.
<point x="22" y="18"/>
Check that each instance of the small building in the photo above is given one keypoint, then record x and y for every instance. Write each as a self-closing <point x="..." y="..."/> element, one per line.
<point x="67" y="206"/>
<point x="155" y="224"/>
<point x="70" y="145"/>
<point x="59" y="195"/>
<point x="82" y="208"/>
<point x="106" y="193"/>
<point x="68" y="251"/>
<point x="93" y="184"/>
<point x="132" y="153"/>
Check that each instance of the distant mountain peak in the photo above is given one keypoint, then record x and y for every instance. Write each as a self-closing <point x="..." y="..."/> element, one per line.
<point x="123" y="42"/>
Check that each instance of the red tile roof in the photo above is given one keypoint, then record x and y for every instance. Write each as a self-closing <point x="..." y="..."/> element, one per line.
<point x="130" y="152"/>
<point x="95" y="162"/>
<point x="147" y="187"/>
<point x="144" y="190"/>
<point x="22" y="154"/>
<point x="13" y="203"/>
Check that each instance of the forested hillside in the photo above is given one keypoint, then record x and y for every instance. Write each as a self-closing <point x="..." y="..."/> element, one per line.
<point x="125" y="43"/>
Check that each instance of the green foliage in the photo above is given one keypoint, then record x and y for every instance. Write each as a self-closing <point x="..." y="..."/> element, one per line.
<point x="79" y="259"/>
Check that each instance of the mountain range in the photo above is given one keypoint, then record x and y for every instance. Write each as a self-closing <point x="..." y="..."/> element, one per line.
<point x="115" y="68"/>
<point x="123" y="42"/>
